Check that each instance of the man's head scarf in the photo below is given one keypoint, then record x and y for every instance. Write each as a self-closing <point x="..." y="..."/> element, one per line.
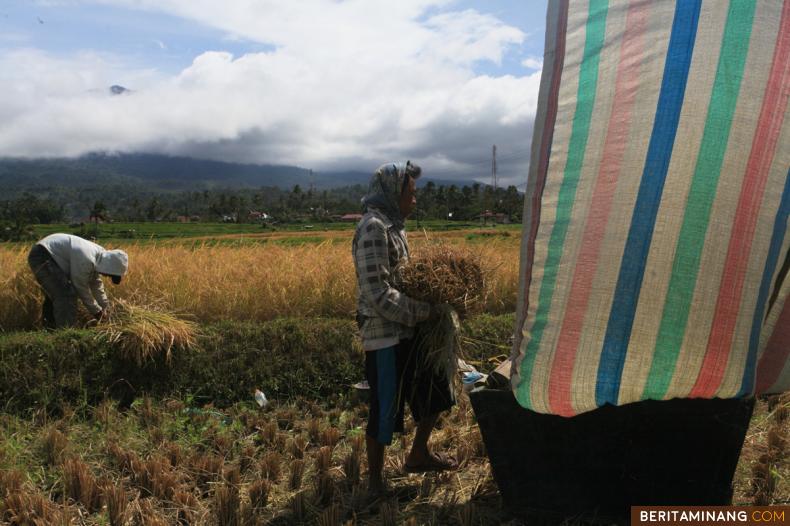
<point x="386" y="187"/>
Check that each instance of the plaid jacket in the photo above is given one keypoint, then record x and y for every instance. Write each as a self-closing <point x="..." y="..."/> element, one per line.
<point x="386" y="315"/>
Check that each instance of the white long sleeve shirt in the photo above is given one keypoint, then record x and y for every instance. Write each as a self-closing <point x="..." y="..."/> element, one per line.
<point x="77" y="258"/>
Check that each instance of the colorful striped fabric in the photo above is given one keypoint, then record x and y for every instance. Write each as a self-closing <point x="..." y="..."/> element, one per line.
<point x="655" y="244"/>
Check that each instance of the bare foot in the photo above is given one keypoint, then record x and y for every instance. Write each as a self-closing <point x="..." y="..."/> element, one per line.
<point x="431" y="462"/>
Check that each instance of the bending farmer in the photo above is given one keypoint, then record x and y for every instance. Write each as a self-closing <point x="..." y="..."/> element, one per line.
<point x="69" y="266"/>
<point x="387" y="318"/>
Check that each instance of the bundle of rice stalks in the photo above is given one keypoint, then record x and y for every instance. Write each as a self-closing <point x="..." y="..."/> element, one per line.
<point x="438" y="344"/>
<point x="440" y="273"/>
<point x="443" y="275"/>
<point x="143" y="333"/>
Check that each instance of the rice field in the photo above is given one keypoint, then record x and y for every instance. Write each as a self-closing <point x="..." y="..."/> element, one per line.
<point x="245" y="280"/>
<point x="297" y="461"/>
<point x="294" y="463"/>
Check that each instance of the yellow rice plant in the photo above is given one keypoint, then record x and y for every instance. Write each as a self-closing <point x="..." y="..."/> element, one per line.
<point x="253" y="283"/>
<point x="500" y="258"/>
<point x="20" y="299"/>
<point x="242" y="282"/>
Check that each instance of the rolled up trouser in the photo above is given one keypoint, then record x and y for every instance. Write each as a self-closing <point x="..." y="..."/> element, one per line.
<point x="60" y="298"/>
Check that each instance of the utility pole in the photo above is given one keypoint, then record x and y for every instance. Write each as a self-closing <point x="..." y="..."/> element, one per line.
<point x="311" y="193"/>
<point x="493" y="169"/>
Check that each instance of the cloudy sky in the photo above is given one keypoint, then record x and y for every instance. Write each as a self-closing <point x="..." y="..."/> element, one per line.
<point x="322" y="84"/>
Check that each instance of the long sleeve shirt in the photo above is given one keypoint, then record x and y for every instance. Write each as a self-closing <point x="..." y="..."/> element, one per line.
<point x="389" y="315"/>
<point x="77" y="257"/>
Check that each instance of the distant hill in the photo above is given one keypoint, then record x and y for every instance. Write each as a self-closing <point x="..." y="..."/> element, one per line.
<point x="162" y="173"/>
<point x="115" y="89"/>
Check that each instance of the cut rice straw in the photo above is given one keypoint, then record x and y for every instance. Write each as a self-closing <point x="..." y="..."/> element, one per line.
<point x="439" y="344"/>
<point x="439" y="273"/>
<point x="443" y="275"/>
<point x="145" y="333"/>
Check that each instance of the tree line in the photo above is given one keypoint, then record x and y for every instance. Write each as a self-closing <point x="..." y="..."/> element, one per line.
<point x="265" y="204"/>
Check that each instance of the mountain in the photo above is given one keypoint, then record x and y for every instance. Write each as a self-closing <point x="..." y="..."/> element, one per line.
<point x="159" y="173"/>
<point x="115" y="89"/>
<point x="162" y="173"/>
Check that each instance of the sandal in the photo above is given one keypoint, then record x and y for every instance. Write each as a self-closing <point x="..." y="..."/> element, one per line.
<point x="435" y="462"/>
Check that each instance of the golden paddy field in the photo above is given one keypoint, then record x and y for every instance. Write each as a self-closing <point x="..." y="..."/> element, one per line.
<point x="254" y="278"/>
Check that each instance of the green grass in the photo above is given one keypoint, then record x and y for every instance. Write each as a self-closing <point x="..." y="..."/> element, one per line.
<point x="285" y="358"/>
<point x="259" y="241"/>
<point x="165" y="230"/>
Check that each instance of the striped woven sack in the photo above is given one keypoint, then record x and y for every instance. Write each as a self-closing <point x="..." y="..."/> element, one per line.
<point x="655" y="244"/>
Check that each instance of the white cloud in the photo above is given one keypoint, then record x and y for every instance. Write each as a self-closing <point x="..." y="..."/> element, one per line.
<point x="534" y="63"/>
<point x="349" y="84"/>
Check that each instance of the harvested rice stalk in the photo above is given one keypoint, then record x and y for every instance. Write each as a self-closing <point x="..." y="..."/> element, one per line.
<point x="297" y="473"/>
<point x="25" y="507"/>
<point x="53" y="446"/>
<point x="271" y="466"/>
<point x="80" y="484"/>
<point x="143" y="333"/>
<point x="299" y="506"/>
<point x="227" y="505"/>
<point x="330" y="516"/>
<point x="259" y="493"/>
<point x="441" y="274"/>
<point x="438" y="343"/>
<point x="114" y="497"/>
<point x="444" y="274"/>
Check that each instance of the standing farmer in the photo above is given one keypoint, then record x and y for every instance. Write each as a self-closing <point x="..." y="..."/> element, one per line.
<point x="387" y="318"/>
<point x="68" y="267"/>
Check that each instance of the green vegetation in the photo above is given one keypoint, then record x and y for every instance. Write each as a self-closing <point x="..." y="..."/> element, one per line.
<point x="163" y="230"/>
<point x="147" y="196"/>
<point x="17" y="216"/>
<point x="214" y="232"/>
<point x="285" y="358"/>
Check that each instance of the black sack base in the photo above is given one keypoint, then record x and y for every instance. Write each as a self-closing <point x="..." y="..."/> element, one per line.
<point x="596" y="465"/>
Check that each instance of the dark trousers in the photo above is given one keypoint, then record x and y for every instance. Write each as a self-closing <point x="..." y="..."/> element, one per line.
<point x="60" y="298"/>
<point x="397" y="375"/>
